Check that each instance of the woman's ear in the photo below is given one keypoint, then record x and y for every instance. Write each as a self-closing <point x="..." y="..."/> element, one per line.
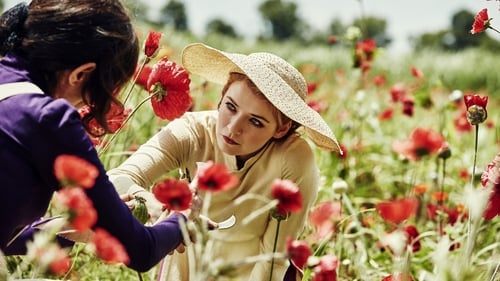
<point x="281" y="132"/>
<point x="80" y="74"/>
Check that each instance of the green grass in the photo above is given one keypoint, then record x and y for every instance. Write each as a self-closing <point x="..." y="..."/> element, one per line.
<point x="372" y="171"/>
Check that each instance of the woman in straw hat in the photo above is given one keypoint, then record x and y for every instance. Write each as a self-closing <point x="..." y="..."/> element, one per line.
<point x="257" y="134"/>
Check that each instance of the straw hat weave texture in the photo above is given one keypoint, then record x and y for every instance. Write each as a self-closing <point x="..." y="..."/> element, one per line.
<point x="280" y="82"/>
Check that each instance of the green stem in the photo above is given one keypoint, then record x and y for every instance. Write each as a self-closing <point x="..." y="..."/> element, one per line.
<point x="492" y="28"/>
<point x="113" y="137"/>
<point x="79" y="248"/>
<point x="472" y="226"/>
<point x="274" y="249"/>
<point x="441" y="202"/>
<point x="475" y="157"/>
<point x="140" y="276"/>
<point x="129" y="91"/>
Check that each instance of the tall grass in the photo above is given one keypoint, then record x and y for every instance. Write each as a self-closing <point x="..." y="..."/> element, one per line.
<point x="372" y="171"/>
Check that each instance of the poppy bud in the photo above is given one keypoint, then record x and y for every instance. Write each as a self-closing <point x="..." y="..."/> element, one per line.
<point x="476" y="114"/>
<point x="476" y="108"/>
<point x="444" y="152"/>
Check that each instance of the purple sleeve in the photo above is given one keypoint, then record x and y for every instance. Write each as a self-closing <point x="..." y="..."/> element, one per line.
<point x="146" y="246"/>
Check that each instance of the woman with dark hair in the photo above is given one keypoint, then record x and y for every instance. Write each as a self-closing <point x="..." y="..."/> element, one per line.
<point x="58" y="55"/>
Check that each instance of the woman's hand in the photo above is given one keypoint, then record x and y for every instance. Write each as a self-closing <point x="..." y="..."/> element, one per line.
<point x="155" y="207"/>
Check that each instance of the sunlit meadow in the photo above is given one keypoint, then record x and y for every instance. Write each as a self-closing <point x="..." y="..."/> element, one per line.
<point x="369" y="224"/>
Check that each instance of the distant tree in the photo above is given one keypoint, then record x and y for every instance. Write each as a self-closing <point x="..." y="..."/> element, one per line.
<point x="373" y="27"/>
<point x="221" y="27"/>
<point x="434" y="40"/>
<point x="2" y="6"/>
<point x="174" y="13"/>
<point x="336" y="28"/>
<point x="457" y="37"/>
<point x="461" y="24"/>
<point x="281" y="19"/>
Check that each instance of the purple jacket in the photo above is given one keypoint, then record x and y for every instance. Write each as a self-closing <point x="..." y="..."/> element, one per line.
<point x="34" y="130"/>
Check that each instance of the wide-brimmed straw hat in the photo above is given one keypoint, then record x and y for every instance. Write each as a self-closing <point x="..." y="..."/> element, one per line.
<point x="280" y="82"/>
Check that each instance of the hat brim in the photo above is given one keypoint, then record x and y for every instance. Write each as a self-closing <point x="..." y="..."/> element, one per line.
<point x="215" y="65"/>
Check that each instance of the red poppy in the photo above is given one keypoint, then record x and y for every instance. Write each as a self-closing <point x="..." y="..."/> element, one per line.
<point x="476" y="108"/>
<point x="386" y="114"/>
<point x="152" y="43"/>
<point x="462" y="124"/>
<point x="332" y="39"/>
<point x="464" y="174"/>
<point x="412" y="234"/>
<point x="417" y="73"/>
<point x="408" y="106"/>
<point x="288" y="195"/>
<point x="452" y="214"/>
<point x="367" y="47"/>
<point x="82" y="213"/>
<point x="215" y="177"/>
<point x="61" y="262"/>
<point x="481" y="22"/>
<point x="323" y="218"/>
<point x="398" y="92"/>
<point x="491" y="179"/>
<point x="317" y="105"/>
<point x="471" y="100"/>
<point x="142" y="78"/>
<point x="74" y="171"/>
<point x="116" y="116"/>
<point x="399" y="210"/>
<point x="94" y="128"/>
<point x="298" y="252"/>
<point x="175" y="194"/>
<point x="108" y="248"/>
<point x="51" y="258"/>
<point x="397" y="277"/>
<point x="363" y="53"/>
<point x="168" y="84"/>
<point x="326" y="270"/>
<point x="420" y="189"/>
<point x="311" y="87"/>
<point x="342" y="153"/>
<point x="422" y="142"/>
<point x="439" y="196"/>
<point x="379" y="80"/>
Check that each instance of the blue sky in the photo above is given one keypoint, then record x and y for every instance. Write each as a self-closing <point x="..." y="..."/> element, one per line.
<point x="404" y="17"/>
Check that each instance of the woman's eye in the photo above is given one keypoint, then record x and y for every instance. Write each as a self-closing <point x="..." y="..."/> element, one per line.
<point x="256" y="123"/>
<point x="230" y="106"/>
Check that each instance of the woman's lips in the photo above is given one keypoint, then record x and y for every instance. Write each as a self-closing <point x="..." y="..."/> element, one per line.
<point x="229" y="140"/>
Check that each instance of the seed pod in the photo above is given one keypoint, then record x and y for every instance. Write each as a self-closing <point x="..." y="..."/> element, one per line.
<point x="140" y="211"/>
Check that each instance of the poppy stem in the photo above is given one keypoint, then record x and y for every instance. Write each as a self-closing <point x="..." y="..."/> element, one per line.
<point x="115" y="134"/>
<point x="494" y="29"/>
<point x="475" y="157"/>
<point x="471" y="225"/>
<point x="442" y="199"/>
<point x="132" y="84"/>
<point x="274" y="249"/>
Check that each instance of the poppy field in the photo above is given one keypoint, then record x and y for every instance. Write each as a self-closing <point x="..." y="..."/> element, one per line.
<point x="415" y="195"/>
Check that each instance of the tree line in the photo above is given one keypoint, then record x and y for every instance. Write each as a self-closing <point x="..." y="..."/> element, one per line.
<point x="281" y="22"/>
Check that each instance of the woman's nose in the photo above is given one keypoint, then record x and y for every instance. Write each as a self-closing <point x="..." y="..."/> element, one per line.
<point x="235" y="126"/>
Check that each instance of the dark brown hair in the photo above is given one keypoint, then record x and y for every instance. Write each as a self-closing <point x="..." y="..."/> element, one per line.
<point x="57" y="35"/>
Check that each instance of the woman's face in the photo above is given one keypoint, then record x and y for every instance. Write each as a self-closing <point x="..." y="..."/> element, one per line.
<point x="246" y="121"/>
